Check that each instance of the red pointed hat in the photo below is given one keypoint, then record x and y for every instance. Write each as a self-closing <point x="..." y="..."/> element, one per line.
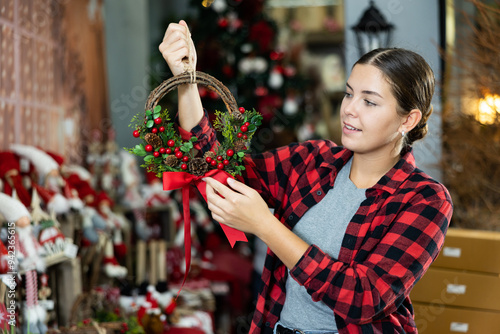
<point x="10" y="174"/>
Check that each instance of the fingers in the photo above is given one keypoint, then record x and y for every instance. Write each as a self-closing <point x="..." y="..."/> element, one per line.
<point x="219" y="187"/>
<point x="239" y="186"/>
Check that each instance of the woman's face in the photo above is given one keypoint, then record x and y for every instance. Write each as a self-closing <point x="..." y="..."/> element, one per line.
<point x="370" y="123"/>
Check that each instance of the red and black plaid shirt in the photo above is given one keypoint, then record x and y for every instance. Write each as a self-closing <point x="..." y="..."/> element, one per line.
<point x="388" y="245"/>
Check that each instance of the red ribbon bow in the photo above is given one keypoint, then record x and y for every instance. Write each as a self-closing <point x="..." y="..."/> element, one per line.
<point x="176" y="180"/>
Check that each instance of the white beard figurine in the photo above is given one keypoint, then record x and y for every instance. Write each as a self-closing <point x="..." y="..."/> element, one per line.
<point x="29" y="254"/>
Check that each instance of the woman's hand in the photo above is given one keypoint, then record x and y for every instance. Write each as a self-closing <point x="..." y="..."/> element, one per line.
<point x="240" y="206"/>
<point x="176" y="47"/>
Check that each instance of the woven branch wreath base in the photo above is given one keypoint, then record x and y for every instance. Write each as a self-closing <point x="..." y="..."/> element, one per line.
<point x="162" y="142"/>
<point x="200" y="78"/>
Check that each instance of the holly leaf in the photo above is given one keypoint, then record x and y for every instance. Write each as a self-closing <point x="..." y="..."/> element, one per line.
<point x="252" y="128"/>
<point x="157" y="109"/>
<point x="187" y="146"/>
<point x="156" y="115"/>
<point x="139" y="150"/>
<point x="148" y="158"/>
<point x="241" y="154"/>
<point x="148" y="112"/>
<point x="150" y="124"/>
<point x="193" y="139"/>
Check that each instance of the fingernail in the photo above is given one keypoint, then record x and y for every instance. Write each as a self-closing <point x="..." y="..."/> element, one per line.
<point x="230" y="180"/>
<point x="204" y="179"/>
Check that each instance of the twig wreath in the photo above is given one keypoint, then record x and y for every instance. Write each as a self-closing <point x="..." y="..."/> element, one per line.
<point x="163" y="148"/>
<point x="176" y="160"/>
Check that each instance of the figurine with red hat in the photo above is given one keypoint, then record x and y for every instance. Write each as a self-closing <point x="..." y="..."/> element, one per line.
<point x="50" y="181"/>
<point x="30" y="256"/>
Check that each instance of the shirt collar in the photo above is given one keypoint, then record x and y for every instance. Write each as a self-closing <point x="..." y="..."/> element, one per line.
<point x="388" y="183"/>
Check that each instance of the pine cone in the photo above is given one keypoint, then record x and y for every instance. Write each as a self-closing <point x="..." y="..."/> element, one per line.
<point x="153" y="140"/>
<point x="240" y="145"/>
<point x="209" y="154"/>
<point x="198" y="166"/>
<point x="171" y="161"/>
<point x="238" y="117"/>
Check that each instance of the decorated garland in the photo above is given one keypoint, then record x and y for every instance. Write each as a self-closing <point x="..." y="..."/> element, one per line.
<point x="163" y="148"/>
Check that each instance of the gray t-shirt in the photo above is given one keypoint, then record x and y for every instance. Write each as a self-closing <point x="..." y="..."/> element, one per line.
<point x="323" y="225"/>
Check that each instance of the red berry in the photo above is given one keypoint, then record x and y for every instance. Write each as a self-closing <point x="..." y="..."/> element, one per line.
<point x="242" y="110"/>
<point x="239" y="135"/>
<point x="136" y="134"/>
<point x="244" y="128"/>
<point x="157" y="120"/>
<point x="178" y="155"/>
<point x="146" y="122"/>
<point x="156" y="154"/>
<point x="184" y="166"/>
<point x="162" y="150"/>
<point x="208" y="160"/>
<point x="246" y="124"/>
<point x="148" y="148"/>
<point x="171" y="143"/>
<point x="245" y="137"/>
<point x="213" y="163"/>
<point x="154" y="130"/>
<point x="229" y="153"/>
<point x="185" y="158"/>
<point x="168" y="150"/>
<point x="177" y="149"/>
<point x="225" y="162"/>
<point x="162" y="128"/>
<point x="219" y="157"/>
<point x="220" y="166"/>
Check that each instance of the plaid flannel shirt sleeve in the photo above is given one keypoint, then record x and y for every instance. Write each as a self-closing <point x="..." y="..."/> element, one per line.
<point x="374" y="288"/>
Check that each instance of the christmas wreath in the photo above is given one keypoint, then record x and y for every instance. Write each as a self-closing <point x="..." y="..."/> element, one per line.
<point x="176" y="160"/>
<point x="163" y="148"/>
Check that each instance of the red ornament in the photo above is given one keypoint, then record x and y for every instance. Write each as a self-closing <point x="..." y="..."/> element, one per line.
<point x="162" y="129"/>
<point x="162" y="150"/>
<point x="213" y="163"/>
<point x="223" y="22"/>
<point x="168" y="150"/>
<point x="220" y="166"/>
<point x="185" y="158"/>
<point x="148" y="148"/>
<point x="177" y="149"/>
<point x="246" y="124"/>
<point x="219" y="157"/>
<point x="156" y="154"/>
<point x="171" y="143"/>
<point x="225" y="162"/>
<point x="245" y="137"/>
<point x="154" y="130"/>
<point x="229" y="153"/>
<point x="184" y="166"/>
<point x="208" y="160"/>
<point x="157" y="120"/>
<point x="178" y="155"/>
<point x="241" y="109"/>
<point x="136" y="134"/>
<point x="244" y="128"/>
<point x="239" y="135"/>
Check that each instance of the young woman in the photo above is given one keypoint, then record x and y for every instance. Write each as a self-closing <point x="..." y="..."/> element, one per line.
<point x="354" y="226"/>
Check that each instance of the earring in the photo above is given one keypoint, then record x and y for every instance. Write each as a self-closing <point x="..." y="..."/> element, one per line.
<point x="402" y="134"/>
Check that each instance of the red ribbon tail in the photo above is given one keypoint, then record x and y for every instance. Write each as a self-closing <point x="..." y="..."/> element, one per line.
<point x="187" y="234"/>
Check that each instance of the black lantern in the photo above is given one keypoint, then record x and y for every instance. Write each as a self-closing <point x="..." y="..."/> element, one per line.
<point x="372" y="31"/>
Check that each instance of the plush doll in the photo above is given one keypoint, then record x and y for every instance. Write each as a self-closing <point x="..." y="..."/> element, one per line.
<point x="29" y="253"/>
<point x="11" y="176"/>
<point x="49" y="177"/>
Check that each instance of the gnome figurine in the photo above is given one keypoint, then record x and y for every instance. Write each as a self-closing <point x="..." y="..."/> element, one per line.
<point x="29" y="253"/>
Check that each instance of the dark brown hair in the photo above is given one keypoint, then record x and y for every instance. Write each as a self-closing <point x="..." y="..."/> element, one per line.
<point x="412" y="82"/>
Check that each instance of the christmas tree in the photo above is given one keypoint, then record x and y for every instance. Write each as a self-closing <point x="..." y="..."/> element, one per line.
<point x="235" y="43"/>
